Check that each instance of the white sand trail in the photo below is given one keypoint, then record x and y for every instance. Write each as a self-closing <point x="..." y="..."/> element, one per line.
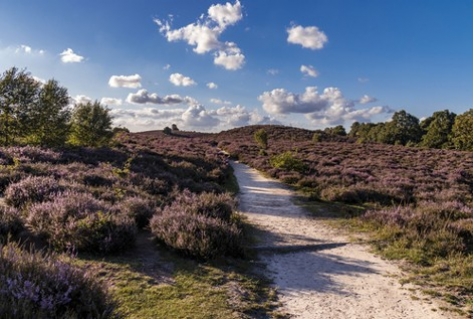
<point x="318" y="272"/>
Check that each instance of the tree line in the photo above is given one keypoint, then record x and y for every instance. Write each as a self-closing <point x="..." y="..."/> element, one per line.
<point x="442" y="130"/>
<point x="40" y="114"/>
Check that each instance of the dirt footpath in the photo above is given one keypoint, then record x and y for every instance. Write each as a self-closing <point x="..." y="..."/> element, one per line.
<point x="318" y="272"/>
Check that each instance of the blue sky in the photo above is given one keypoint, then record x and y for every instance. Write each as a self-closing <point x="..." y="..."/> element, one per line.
<point x="214" y="65"/>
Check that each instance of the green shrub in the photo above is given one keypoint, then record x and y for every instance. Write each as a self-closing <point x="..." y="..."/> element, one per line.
<point x="261" y="138"/>
<point x="286" y="161"/>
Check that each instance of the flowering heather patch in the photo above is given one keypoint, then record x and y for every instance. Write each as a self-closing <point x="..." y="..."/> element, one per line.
<point x="32" y="189"/>
<point x="206" y="204"/>
<point x="31" y="154"/>
<point x="197" y="235"/>
<point x="39" y="285"/>
<point x="80" y="222"/>
<point x="199" y="225"/>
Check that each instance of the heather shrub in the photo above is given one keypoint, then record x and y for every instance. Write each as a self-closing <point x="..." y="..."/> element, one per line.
<point x="197" y="235"/>
<point x="80" y="222"/>
<point x="10" y="222"/>
<point x="8" y="177"/>
<point x="358" y="195"/>
<point x="139" y="209"/>
<point x="32" y="189"/>
<point x="206" y="204"/>
<point x="39" y="285"/>
<point x="32" y="154"/>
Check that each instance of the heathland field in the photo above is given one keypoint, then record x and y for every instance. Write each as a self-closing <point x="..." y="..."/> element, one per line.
<point x="148" y="227"/>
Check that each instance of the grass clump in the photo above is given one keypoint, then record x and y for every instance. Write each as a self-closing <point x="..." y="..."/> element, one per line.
<point x="39" y="285"/>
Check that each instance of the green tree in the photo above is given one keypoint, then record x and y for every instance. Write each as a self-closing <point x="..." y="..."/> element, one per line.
<point x="167" y="131"/>
<point x="91" y="125"/>
<point x="461" y="133"/>
<point x="18" y="92"/>
<point x="336" y="130"/>
<point x="49" y="116"/>
<point x="261" y="138"/>
<point x="403" y="128"/>
<point x="438" y="129"/>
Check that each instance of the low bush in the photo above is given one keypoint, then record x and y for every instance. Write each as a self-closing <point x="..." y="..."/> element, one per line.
<point x="80" y="222"/>
<point x="288" y="162"/>
<point x="206" y="204"/>
<point x="138" y="208"/>
<point x="32" y="189"/>
<point x="197" y="235"/>
<point x="39" y="285"/>
<point x="10" y="222"/>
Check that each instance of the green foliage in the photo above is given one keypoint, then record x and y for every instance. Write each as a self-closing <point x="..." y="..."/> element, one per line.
<point x="167" y="131"/>
<point x="336" y="130"/>
<point x="438" y="129"/>
<point x="91" y="125"/>
<point x="49" y="116"/>
<point x="261" y="138"/>
<point x="18" y="93"/>
<point x="32" y="113"/>
<point x="318" y="136"/>
<point x="286" y="161"/>
<point x="403" y="128"/>
<point x="461" y="134"/>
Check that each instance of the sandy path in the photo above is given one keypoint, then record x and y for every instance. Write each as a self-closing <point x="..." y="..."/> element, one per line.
<point x="318" y="272"/>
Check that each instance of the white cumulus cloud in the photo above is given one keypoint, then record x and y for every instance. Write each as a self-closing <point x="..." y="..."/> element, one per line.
<point x="197" y="116"/>
<point x="26" y="49"/>
<point x="212" y="85"/>
<point x="279" y="101"/>
<point x="68" y="56"/>
<point x="180" y="80"/>
<point x="81" y="99"/>
<point x="125" y="81"/>
<point x="143" y="97"/>
<point x="367" y="99"/>
<point x="230" y="58"/>
<point x="110" y="101"/>
<point x="327" y="108"/>
<point x="204" y="34"/>
<point x="308" y="37"/>
<point x="309" y="70"/>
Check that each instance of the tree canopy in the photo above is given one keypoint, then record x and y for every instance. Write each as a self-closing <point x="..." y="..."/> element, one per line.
<point x="30" y="112"/>
<point x="91" y="125"/>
